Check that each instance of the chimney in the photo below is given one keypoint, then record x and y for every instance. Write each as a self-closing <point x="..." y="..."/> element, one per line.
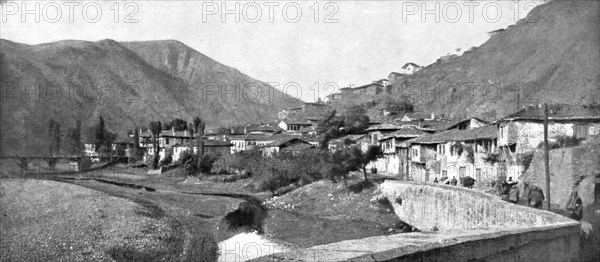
<point x="432" y="116"/>
<point x="185" y="133"/>
<point x="245" y="129"/>
<point x="421" y="122"/>
<point x="173" y="130"/>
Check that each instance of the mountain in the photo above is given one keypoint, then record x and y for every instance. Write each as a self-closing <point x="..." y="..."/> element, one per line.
<point x="128" y="84"/>
<point x="550" y="56"/>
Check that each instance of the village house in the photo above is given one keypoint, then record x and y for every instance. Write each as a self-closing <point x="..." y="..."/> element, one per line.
<point x="370" y="89"/>
<point x="305" y="131"/>
<point x="335" y="97"/>
<point x="285" y="144"/>
<point x="375" y="132"/>
<point x="393" y="77"/>
<point x="467" y="124"/>
<point x="167" y="139"/>
<point x="454" y="154"/>
<point x="293" y="125"/>
<point x="410" y="68"/>
<point x="348" y="140"/>
<point x="522" y="132"/>
<point x="211" y="147"/>
<point x="248" y="141"/>
<point x="123" y="148"/>
<point x="395" y="150"/>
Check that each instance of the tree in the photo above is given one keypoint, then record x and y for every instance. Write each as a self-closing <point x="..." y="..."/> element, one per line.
<point x="372" y="154"/>
<point x="355" y="120"/>
<point x="178" y="124"/>
<point x="155" y="129"/>
<point x="136" y="144"/>
<point x="53" y="137"/>
<point x="199" y="131"/>
<point x="103" y="138"/>
<point x="73" y="143"/>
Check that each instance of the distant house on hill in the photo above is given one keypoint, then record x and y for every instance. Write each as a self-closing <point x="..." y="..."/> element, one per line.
<point x="334" y="97"/>
<point x="410" y="68"/>
<point x="370" y="89"/>
<point x="393" y="77"/>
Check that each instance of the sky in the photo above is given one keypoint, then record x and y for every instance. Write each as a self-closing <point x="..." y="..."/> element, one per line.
<point x="318" y="46"/>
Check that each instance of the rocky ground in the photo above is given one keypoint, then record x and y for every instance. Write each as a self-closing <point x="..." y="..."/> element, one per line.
<point x="48" y="220"/>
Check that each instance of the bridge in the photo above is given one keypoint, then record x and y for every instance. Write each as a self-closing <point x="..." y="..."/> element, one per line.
<point x="457" y="224"/>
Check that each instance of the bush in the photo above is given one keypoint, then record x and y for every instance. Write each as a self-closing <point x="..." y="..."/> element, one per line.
<point x="206" y="163"/>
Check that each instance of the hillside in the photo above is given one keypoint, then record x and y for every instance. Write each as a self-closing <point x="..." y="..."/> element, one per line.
<point x="552" y="56"/>
<point x="128" y="84"/>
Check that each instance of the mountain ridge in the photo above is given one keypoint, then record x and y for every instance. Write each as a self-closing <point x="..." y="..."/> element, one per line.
<point x="127" y="84"/>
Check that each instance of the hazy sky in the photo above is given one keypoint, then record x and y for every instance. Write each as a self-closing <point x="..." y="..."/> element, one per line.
<point x="344" y="42"/>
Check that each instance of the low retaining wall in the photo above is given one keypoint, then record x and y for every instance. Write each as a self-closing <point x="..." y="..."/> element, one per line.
<point x="426" y="205"/>
<point x="472" y="226"/>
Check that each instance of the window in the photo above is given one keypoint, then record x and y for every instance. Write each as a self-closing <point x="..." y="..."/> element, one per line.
<point x="462" y="171"/>
<point x="166" y="141"/>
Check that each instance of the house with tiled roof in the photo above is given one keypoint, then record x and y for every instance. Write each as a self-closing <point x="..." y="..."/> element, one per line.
<point x="393" y="77"/>
<point x="249" y="141"/>
<point x="293" y="124"/>
<point x="522" y="132"/>
<point x="348" y="140"/>
<point x="283" y="143"/>
<point x="468" y="123"/>
<point x="211" y="146"/>
<point x="395" y="150"/>
<point x="410" y="68"/>
<point x="453" y="153"/>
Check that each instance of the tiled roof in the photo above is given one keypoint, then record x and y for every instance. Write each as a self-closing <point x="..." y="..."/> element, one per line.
<point x="384" y="126"/>
<point x="486" y="132"/>
<point x="264" y="128"/>
<point x="167" y="133"/>
<point x="368" y="85"/>
<point x="253" y="137"/>
<point x="207" y="142"/>
<point x="282" y="139"/>
<point x="351" y="137"/>
<point x="306" y="129"/>
<point x="556" y="112"/>
<point x="405" y="133"/>
<point x="407" y="64"/>
<point x="456" y="123"/>
<point x="297" y="147"/>
<point x="300" y="122"/>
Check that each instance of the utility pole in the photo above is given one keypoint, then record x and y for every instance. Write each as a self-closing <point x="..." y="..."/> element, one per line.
<point x="546" y="156"/>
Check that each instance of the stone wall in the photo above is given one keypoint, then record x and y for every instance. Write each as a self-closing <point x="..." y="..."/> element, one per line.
<point x="426" y="205"/>
<point x="571" y="168"/>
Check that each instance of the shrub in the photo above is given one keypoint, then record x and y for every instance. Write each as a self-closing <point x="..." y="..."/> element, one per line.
<point x="206" y="163"/>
